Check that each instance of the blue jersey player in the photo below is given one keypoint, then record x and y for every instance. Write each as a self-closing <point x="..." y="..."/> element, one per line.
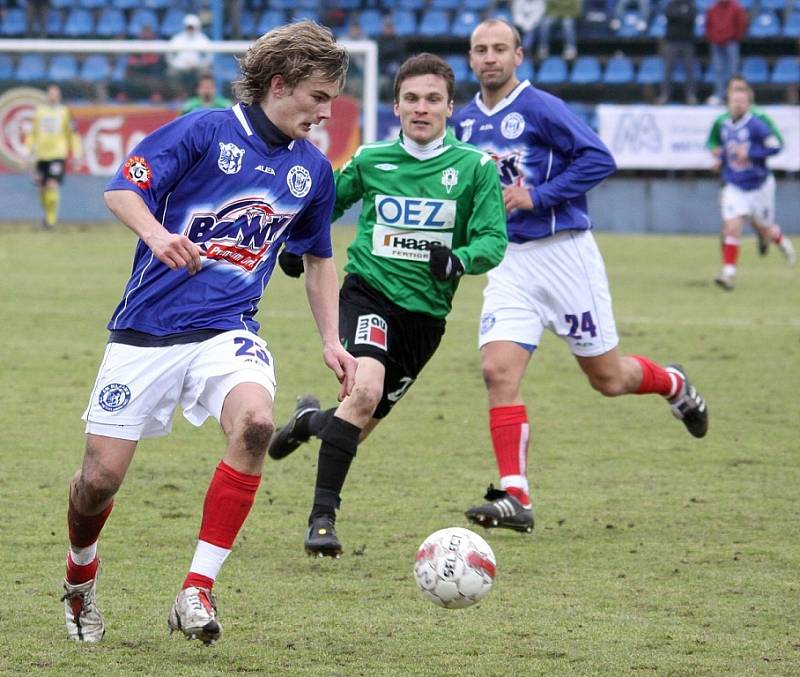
<point x="212" y="196"/>
<point x="552" y="276"/>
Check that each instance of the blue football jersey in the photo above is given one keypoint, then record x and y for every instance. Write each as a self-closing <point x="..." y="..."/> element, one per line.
<point x="211" y="177"/>
<point x="758" y="140"/>
<point x="537" y="142"/>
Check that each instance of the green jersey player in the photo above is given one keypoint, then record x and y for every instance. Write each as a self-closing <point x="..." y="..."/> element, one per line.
<point x="432" y="211"/>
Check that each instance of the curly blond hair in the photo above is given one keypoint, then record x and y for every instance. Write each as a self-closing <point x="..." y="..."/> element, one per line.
<point x="296" y="51"/>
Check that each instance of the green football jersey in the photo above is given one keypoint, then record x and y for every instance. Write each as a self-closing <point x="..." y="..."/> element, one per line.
<point x="715" y="135"/>
<point x="452" y="198"/>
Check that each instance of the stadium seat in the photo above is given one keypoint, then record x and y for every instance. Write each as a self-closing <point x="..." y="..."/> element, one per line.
<point x="658" y="27"/>
<point x="95" y="68"/>
<point x="525" y="71"/>
<point x="172" y="22"/>
<point x="270" y="19"/>
<point x="111" y="23"/>
<point x="755" y="70"/>
<point x="619" y="71"/>
<point x="79" y="23"/>
<point x="371" y="22"/>
<point x="156" y="4"/>
<point x="125" y="4"/>
<point x="700" y="26"/>
<point x="304" y="14"/>
<point x="679" y="72"/>
<point x="91" y="4"/>
<point x="474" y="5"/>
<point x="142" y="16"/>
<point x="464" y="23"/>
<point x="282" y="4"/>
<point x="15" y="23"/>
<point x="585" y="71"/>
<point x="552" y="71"/>
<point x="226" y="69"/>
<point x="631" y="25"/>
<point x="405" y="22"/>
<point x="791" y="28"/>
<point x="434" y="23"/>
<point x="119" y="69"/>
<point x="702" y="6"/>
<point x="62" y="68"/>
<point x="786" y="71"/>
<point x="31" y="67"/>
<point x="773" y="5"/>
<point x="765" y="25"/>
<point x="55" y="22"/>
<point x="651" y="71"/>
<point x="444" y="4"/>
<point x="6" y="67"/>
<point x="247" y="24"/>
<point x="411" y="5"/>
<point x="63" y="4"/>
<point x="348" y="4"/>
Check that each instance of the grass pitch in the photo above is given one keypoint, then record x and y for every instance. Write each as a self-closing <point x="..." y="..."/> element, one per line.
<point x="653" y="552"/>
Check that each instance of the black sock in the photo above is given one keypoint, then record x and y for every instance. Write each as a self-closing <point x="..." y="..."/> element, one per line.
<point x="313" y="422"/>
<point x="338" y="448"/>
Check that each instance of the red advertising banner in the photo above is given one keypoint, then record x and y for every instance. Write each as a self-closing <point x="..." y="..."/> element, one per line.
<point x="109" y="133"/>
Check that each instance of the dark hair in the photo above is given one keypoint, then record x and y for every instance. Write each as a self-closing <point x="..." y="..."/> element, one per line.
<point x="297" y="52"/>
<point x="425" y="64"/>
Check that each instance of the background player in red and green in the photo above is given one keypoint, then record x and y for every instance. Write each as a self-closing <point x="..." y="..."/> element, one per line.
<point x="432" y="211"/>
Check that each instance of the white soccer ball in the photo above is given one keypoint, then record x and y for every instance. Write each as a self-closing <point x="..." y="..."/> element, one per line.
<point x="454" y="568"/>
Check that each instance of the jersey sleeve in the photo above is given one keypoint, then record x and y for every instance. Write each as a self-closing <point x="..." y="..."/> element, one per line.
<point x="487" y="236"/>
<point x="714" y="140"/>
<point x="769" y="122"/>
<point x="763" y="141"/>
<point x="312" y="233"/>
<point x="159" y="160"/>
<point x="589" y="160"/>
<point x="349" y="187"/>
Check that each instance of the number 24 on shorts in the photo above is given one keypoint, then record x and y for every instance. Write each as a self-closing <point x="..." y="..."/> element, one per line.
<point x="585" y="322"/>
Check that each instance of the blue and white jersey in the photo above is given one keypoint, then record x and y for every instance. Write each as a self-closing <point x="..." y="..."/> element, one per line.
<point x="539" y="143"/>
<point x="213" y="177"/>
<point x="758" y="140"/>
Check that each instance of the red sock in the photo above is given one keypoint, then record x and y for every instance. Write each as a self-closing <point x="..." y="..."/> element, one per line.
<point x="656" y="379"/>
<point x="229" y="498"/>
<point x="194" y="580"/>
<point x="730" y="250"/>
<point x="77" y="573"/>
<point x="510" y="434"/>
<point x="85" y="529"/>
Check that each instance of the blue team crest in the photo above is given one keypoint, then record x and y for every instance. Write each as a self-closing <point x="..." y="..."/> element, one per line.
<point x="466" y="129"/>
<point x="512" y="125"/>
<point x="299" y="181"/>
<point x="114" y="396"/>
<point x="230" y="157"/>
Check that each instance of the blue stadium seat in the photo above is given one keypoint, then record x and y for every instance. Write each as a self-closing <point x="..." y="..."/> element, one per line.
<point x="226" y="69"/>
<point x="658" y="27"/>
<point x="142" y="16"/>
<point x="156" y="4"/>
<point x="651" y="71"/>
<point x="773" y="5"/>
<point x="464" y="23"/>
<point x="474" y="5"/>
<point x="15" y="23"/>
<point x="125" y="4"/>
<point x="786" y="71"/>
<point x="282" y="4"/>
<point x="247" y="24"/>
<point x="304" y="14"/>
<point x="79" y="23"/>
<point x="434" y="23"/>
<point x="55" y="22"/>
<point x="348" y="4"/>
<point x="445" y="4"/>
<point x="371" y="22"/>
<point x="700" y="26"/>
<point x="63" y="68"/>
<point x="119" y="69"/>
<point x="525" y="71"/>
<point x="679" y="72"/>
<point x="460" y="66"/>
<point x="619" y="71"/>
<point x="630" y="26"/>
<point x="405" y="22"/>
<point x="791" y="28"/>
<point x="91" y="4"/>
<point x="172" y="22"/>
<point x="30" y="67"/>
<point x="6" y="66"/>
<point x="406" y="4"/>
<point x="585" y="71"/>
<point x="552" y="71"/>
<point x="95" y="68"/>
<point x="765" y="25"/>
<point x="702" y="6"/>
<point x="111" y="23"/>
<point x="755" y="70"/>
<point x="63" y="4"/>
<point x="270" y="19"/>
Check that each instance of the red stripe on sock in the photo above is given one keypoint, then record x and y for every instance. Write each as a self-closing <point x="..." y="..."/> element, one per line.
<point x="77" y="573"/>
<point x="85" y="529"/>
<point x="197" y="581"/>
<point x="730" y="251"/>
<point x="656" y="379"/>
<point x="506" y="426"/>
<point x="229" y="498"/>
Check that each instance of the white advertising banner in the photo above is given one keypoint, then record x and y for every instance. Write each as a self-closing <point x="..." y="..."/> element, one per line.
<point x="674" y="137"/>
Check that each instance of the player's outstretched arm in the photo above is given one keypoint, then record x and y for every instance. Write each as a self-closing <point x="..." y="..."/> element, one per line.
<point x="173" y="250"/>
<point x="322" y="289"/>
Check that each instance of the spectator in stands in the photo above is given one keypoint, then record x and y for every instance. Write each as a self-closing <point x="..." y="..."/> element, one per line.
<point x="622" y="7"/>
<point x="233" y="18"/>
<point x="190" y="61"/>
<point x="679" y="44"/>
<point x="49" y="143"/>
<point x="206" y="96"/>
<point x="144" y="71"/>
<point x="355" y="70"/>
<point x="391" y="49"/>
<point x="726" y="25"/>
<point x="566" y="11"/>
<point x="37" y="17"/>
<point x="526" y="15"/>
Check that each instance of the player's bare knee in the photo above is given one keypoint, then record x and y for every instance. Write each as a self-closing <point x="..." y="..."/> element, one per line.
<point x="256" y="432"/>
<point x="365" y="398"/>
<point x="94" y="487"/>
<point x="496" y="375"/>
<point x="609" y="385"/>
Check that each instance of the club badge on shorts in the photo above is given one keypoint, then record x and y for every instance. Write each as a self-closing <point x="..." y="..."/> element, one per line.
<point x="114" y="396"/>
<point x="372" y="330"/>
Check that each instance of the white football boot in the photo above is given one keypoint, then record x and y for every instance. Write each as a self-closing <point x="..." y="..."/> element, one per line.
<point x="787" y="248"/>
<point x="195" y="615"/>
<point x="84" y="622"/>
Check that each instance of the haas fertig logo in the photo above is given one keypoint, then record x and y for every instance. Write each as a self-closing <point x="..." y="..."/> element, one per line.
<point x="240" y="233"/>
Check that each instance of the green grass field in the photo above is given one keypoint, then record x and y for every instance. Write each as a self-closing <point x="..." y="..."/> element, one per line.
<point x="653" y="553"/>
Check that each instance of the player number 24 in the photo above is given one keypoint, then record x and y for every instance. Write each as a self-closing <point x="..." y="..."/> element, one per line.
<point x="585" y="323"/>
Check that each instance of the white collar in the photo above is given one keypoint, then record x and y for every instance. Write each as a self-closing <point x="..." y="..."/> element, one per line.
<point x="507" y="100"/>
<point x="424" y="151"/>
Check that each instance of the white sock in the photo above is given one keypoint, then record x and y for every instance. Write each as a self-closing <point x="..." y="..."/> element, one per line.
<point x="208" y="559"/>
<point x="83" y="556"/>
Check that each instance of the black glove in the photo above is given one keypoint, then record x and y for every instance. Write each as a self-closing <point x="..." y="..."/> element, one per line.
<point x="291" y="264"/>
<point x="444" y="264"/>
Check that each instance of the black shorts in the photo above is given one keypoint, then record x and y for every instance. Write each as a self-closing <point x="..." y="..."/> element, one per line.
<point x="50" y="169"/>
<point x="371" y="325"/>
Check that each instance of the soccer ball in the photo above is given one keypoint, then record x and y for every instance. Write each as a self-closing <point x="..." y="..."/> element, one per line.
<point x="454" y="568"/>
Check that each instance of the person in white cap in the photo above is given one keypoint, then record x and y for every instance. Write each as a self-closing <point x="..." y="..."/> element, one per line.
<point x="190" y="61"/>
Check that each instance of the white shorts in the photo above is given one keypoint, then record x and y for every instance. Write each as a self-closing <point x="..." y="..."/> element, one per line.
<point x="758" y="204"/>
<point x="558" y="283"/>
<point x="137" y="389"/>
